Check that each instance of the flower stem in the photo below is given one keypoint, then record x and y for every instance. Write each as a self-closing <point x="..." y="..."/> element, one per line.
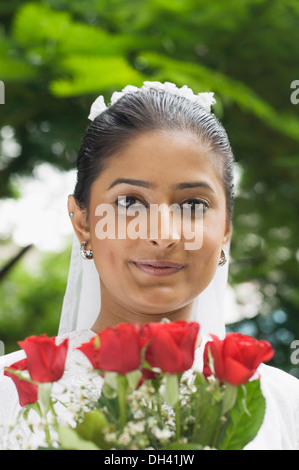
<point x="177" y="421"/>
<point x="47" y="432"/>
<point x="44" y="396"/>
<point x="216" y="435"/>
<point x="122" y="386"/>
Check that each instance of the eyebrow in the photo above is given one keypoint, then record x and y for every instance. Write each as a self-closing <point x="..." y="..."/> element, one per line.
<point x="148" y="185"/>
<point x="144" y="184"/>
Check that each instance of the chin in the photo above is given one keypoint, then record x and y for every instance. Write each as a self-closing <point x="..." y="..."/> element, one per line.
<point x="159" y="304"/>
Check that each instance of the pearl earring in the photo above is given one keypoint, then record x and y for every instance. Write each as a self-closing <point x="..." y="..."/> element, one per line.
<point x="223" y="258"/>
<point x="86" y="254"/>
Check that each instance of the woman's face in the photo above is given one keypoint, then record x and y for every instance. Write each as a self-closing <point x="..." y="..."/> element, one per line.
<point x="160" y="167"/>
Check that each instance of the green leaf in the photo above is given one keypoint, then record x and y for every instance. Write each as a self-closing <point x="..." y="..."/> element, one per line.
<point x="245" y="419"/>
<point x="109" y="389"/>
<point x="32" y="406"/>
<point x="182" y="446"/>
<point x="66" y="36"/>
<point x="197" y="75"/>
<point x="69" y="440"/>
<point x="133" y="378"/>
<point x="49" y="24"/>
<point x="108" y="72"/>
<point x="165" y="320"/>
<point x="230" y="397"/>
<point x="93" y="428"/>
<point x="111" y="407"/>
<point x="207" y="413"/>
<point x="97" y="342"/>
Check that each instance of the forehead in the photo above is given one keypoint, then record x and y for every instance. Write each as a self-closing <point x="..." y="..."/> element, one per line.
<point x="164" y="158"/>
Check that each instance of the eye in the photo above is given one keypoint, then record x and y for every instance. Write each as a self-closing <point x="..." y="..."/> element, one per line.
<point x="124" y="202"/>
<point x="195" y="205"/>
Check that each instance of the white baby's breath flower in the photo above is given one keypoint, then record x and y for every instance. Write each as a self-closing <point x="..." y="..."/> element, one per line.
<point x="162" y="434"/>
<point x="124" y="439"/>
<point x="138" y="414"/>
<point x="136" y="396"/>
<point x="151" y="421"/>
<point x="136" y="428"/>
<point x="167" y="410"/>
<point x="110" y="437"/>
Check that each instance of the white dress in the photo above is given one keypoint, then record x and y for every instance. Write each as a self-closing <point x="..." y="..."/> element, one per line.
<point x="279" y="431"/>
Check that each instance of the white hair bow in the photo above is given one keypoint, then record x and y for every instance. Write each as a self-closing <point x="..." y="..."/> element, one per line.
<point x="205" y="100"/>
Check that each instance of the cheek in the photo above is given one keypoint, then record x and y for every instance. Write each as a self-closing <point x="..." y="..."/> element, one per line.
<point x="207" y="257"/>
<point x="107" y="256"/>
<point x="211" y="244"/>
<point x="204" y="265"/>
<point x="111" y="260"/>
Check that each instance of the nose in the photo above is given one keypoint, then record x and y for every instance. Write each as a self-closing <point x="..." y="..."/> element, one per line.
<point x="163" y="243"/>
<point x="164" y="227"/>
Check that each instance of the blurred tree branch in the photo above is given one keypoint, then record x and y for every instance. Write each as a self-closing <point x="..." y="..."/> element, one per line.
<point x="8" y="266"/>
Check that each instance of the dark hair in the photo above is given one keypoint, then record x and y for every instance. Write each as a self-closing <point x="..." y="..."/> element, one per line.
<point x="144" y="111"/>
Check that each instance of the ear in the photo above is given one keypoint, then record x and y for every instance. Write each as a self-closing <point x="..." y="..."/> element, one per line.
<point x="227" y="236"/>
<point x="79" y="220"/>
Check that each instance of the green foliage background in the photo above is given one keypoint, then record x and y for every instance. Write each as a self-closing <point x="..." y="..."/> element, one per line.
<point x="56" y="56"/>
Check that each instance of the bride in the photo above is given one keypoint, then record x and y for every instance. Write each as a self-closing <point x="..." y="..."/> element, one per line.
<point x="155" y="146"/>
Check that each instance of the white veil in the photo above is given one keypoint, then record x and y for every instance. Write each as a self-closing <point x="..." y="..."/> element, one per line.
<point x="82" y="300"/>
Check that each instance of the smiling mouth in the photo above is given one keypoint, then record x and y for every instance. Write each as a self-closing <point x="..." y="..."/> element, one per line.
<point x="158" y="268"/>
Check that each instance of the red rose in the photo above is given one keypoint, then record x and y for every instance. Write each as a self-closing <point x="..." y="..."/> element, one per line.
<point x="236" y="358"/>
<point x="45" y="359"/>
<point x="115" y="349"/>
<point x="28" y="392"/>
<point x="170" y="346"/>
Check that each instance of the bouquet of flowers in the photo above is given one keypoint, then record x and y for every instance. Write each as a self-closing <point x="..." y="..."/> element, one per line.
<point x="152" y="396"/>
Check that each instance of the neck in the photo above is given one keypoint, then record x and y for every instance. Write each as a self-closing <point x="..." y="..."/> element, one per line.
<point x="112" y="313"/>
<point x="110" y="317"/>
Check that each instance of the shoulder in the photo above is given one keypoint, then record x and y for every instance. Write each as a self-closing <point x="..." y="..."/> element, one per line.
<point x="11" y="358"/>
<point x="74" y="356"/>
<point x="9" y="402"/>
<point x="281" y="391"/>
<point x="76" y="338"/>
<point x="280" y="383"/>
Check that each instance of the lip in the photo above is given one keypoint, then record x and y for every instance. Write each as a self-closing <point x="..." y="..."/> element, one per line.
<point x="158" y="268"/>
